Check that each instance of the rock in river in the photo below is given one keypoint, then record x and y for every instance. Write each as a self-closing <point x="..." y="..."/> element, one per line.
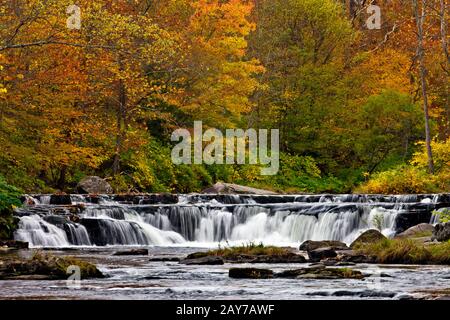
<point x="321" y="272"/>
<point x="250" y="273"/>
<point x="208" y="260"/>
<point x="133" y="252"/>
<point x="369" y="236"/>
<point x="321" y="253"/>
<point x="311" y="245"/>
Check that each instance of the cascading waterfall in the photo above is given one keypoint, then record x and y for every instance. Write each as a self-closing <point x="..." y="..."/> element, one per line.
<point x="209" y="219"/>
<point x="36" y="231"/>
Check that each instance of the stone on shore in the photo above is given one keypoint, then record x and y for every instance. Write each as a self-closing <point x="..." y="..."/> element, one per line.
<point x="229" y="188"/>
<point x="94" y="185"/>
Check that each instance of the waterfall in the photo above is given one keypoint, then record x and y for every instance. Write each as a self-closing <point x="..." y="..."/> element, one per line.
<point x="37" y="232"/>
<point x="210" y="219"/>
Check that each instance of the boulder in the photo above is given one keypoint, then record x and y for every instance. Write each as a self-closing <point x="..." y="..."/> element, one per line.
<point x="208" y="260"/>
<point x="321" y="253"/>
<point x="441" y="232"/>
<point x="311" y="245"/>
<point x="420" y="230"/>
<point x="229" y="188"/>
<point x="369" y="236"/>
<point x="250" y="273"/>
<point x="94" y="185"/>
<point x="133" y="252"/>
<point x="43" y="266"/>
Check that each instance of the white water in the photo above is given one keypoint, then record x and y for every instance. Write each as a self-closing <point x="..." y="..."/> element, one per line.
<point x="37" y="232"/>
<point x="201" y="220"/>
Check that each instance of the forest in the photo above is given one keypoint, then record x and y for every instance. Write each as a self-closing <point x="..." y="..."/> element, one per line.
<point x="97" y="88"/>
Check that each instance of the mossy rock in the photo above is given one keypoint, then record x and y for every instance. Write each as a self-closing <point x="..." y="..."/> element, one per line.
<point x="367" y="237"/>
<point x="52" y="267"/>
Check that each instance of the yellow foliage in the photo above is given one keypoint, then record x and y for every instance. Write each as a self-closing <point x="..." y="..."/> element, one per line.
<point x="414" y="178"/>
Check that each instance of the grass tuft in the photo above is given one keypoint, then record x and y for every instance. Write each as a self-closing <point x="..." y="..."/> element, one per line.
<point x="406" y="251"/>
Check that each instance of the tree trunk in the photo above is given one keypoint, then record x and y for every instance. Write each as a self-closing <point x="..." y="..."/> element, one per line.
<point x="420" y="18"/>
<point x="121" y="127"/>
<point x="443" y="15"/>
<point x="62" y="178"/>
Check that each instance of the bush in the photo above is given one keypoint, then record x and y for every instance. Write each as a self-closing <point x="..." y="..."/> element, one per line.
<point x="414" y="178"/>
<point x="9" y="199"/>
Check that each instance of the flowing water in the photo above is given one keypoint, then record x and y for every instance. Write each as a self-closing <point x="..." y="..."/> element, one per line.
<point x="94" y="227"/>
<point x="209" y="219"/>
<point x="137" y="278"/>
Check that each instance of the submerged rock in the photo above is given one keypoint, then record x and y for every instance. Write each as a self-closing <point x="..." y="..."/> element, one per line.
<point x="164" y="259"/>
<point x="133" y="252"/>
<point x="310" y="245"/>
<point x="250" y="273"/>
<point x="94" y="185"/>
<point x="441" y="232"/>
<point x="208" y="260"/>
<point x="369" y="236"/>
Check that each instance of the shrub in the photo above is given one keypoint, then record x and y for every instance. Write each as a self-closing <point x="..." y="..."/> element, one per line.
<point x="9" y="199"/>
<point x="414" y="178"/>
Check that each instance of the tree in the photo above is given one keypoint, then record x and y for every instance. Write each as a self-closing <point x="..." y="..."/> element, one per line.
<point x="420" y="19"/>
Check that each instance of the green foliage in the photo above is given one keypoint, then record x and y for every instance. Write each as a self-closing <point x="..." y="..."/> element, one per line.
<point x="9" y="196"/>
<point x="9" y="199"/>
<point x="378" y="221"/>
<point x="389" y="124"/>
<point x="444" y="215"/>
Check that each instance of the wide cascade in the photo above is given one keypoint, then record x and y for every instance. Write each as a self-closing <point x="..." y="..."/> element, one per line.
<point x="206" y="219"/>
